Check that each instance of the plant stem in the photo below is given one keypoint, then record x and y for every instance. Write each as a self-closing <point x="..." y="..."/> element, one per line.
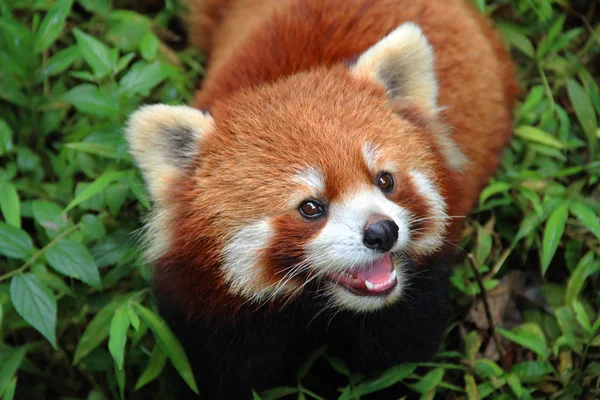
<point x="38" y="253"/>
<point x="486" y="306"/>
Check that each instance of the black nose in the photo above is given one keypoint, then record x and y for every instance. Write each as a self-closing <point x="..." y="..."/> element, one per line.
<point x="381" y="235"/>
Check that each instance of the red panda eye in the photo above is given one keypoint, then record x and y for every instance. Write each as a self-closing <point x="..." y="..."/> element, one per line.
<point x="385" y="182"/>
<point x="311" y="209"/>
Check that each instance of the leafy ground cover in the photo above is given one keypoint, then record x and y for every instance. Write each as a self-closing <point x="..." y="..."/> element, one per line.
<point x="77" y="317"/>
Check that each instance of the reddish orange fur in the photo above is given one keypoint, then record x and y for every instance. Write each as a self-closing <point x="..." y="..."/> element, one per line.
<point x="467" y="52"/>
<point x="253" y="44"/>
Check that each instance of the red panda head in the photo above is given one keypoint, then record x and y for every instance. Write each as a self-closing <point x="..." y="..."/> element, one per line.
<point x="330" y="179"/>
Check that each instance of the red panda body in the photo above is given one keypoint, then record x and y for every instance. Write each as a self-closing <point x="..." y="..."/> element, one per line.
<point x="313" y="193"/>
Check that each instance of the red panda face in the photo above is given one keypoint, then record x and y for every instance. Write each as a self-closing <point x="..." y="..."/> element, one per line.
<point x="317" y="184"/>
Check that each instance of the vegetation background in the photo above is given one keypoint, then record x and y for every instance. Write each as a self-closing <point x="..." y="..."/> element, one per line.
<point x="77" y="318"/>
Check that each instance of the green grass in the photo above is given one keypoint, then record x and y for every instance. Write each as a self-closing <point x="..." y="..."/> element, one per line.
<point x="77" y="318"/>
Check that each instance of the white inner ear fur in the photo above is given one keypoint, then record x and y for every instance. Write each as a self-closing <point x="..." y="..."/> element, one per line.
<point x="163" y="139"/>
<point x="403" y="63"/>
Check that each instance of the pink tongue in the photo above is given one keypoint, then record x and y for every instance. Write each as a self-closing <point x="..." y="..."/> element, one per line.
<point x="378" y="271"/>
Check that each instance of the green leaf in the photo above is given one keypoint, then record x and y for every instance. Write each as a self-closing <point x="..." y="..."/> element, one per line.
<point x="59" y="62"/>
<point x="10" y="204"/>
<point x="566" y="321"/>
<point x="591" y="86"/>
<point x="577" y="279"/>
<point x="585" y="112"/>
<point x="96" y="6"/>
<point x="73" y="259"/>
<point x="480" y="5"/>
<point x="120" y="375"/>
<point x="6" y="141"/>
<point x="35" y="303"/>
<point x="50" y="279"/>
<point x="95" y="53"/>
<point x="384" y="380"/>
<point x="587" y="217"/>
<point x="9" y="172"/>
<point x="139" y="191"/>
<point x="118" y="335"/>
<point x="490" y="190"/>
<point x="536" y="135"/>
<point x="552" y="234"/>
<point x="11" y="92"/>
<point x="82" y="75"/>
<point x="124" y="62"/>
<point x="88" y="99"/>
<point x="94" y="148"/>
<point x="528" y="335"/>
<point x="582" y="317"/>
<point x="311" y="359"/>
<point x="154" y="368"/>
<point x="472" y="344"/>
<point x="142" y="78"/>
<point x="471" y="387"/>
<point x="149" y="46"/>
<point x="10" y="365"/>
<point x="133" y="318"/>
<point x="279" y="392"/>
<point x="127" y="29"/>
<point x="554" y="30"/>
<point x="512" y="35"/>
<point x="484" y="245"/>
<point x="338" y="365"/>
<point x="93" y="226"/>
<point x="116" y="193"/>
<point x="27" y="160"/>
<point x="52" y="25"/>
<point x="593" y="369"/>
<point x="49" y="215"/>
<point x="487" y="368"/>
<point x="531" y="371"/>
<point x="96" y="187"/>
<point x="573" y="253"/>
<point x="14" y="242"/>
<point x="169" y="344"/>
<point x="345" y="395"/>
<point x="9" y="394"/>
<point x="98" y="328"/>
<point x="515" y="384"/>
<point x="430" y="381"/>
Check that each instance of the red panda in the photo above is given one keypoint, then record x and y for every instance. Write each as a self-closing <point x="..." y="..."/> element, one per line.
<point x="312" y="193"/>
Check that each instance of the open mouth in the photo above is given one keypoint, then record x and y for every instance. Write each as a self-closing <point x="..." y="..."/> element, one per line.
<point x="377" y="278"/>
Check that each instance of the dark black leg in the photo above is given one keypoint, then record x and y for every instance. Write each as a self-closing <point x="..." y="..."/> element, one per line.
<point x="230" y="360"/>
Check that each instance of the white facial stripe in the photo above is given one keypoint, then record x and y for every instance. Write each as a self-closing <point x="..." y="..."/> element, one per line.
<point x="312" y="178"/>
<point x="437" y="218"/>
<point x="371" y="154"/>
<point x="339" y="245"/>
<point x="313" y="181"/>
<point x="240" y="267"/>
<point x="373" y="157"/>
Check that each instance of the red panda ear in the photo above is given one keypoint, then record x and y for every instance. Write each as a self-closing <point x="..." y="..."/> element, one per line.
<point x="403" y="63"/>
<point x="163" y="140"/>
